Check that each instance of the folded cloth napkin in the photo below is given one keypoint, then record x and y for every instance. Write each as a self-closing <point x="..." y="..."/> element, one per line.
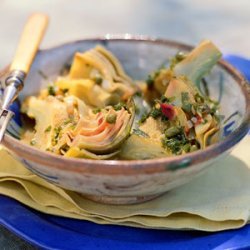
<point x="217" y="200"/>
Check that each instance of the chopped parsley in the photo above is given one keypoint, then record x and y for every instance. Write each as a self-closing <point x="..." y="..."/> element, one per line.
<point x="155" y="112"/>
<point x="138" y="93"/>
<point x="42" y="74"/>
<point x="48" y="129"/>
<point x="65" y="91"/>
<point x="143" y="118"/>
<point x="139" y="132"/>
<point x="96" y="110"/>
<point x="55" y="138"/>
<point x="65" y="69"/>
<point x="186" y="105"/>
<point x="150" y="81"/>
<point x="159" y="110"/>
<point x="51" y="90"/>
<point x="151" y="78"/>
<point x="119" y="106"/>
<point x="66" y="122"/>
<point x="175" y="140"/>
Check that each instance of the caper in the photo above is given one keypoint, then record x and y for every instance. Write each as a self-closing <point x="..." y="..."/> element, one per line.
<point x="98" y="80"/>
<point x="111" y="118"/>
<point x="193" y="148"/>
<point x="186" y="147"/>
<point x="170" y="132"/>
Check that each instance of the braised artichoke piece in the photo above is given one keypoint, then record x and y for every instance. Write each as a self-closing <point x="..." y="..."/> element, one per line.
<point x="104" y="130"/>
<point x="139" y="147"/>
<point x="88" y="91"/>
<point x="104" y="69"/>
<point x="198" y="62"/>
<point x="48" y="114"/>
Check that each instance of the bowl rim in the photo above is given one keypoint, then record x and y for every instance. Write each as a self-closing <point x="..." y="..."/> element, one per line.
<point x="130" y="167"/>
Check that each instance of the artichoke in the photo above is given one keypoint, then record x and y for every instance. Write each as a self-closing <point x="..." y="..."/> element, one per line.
<point x="104" y="131"/>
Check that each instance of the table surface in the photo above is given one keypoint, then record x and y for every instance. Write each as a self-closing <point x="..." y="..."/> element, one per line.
<point x="226" y="22"/>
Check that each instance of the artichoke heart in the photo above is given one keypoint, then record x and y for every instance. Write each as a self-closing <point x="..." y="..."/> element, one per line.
<point x="104" y="131"/>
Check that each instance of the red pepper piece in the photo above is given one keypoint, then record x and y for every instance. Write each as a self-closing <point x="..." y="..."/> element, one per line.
<point x="168" y="111"/>
<point x="199" y="119"/>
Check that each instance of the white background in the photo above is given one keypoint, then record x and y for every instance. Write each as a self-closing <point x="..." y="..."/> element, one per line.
<point x="226" y="22"/>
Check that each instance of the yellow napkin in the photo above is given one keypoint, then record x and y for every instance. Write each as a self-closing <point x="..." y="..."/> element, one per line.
<point x="217" y="200"/>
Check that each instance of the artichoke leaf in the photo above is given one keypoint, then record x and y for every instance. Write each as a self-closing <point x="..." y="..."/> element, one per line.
<point x="181" y="117"/>
<point x="202" y="128"/>
<point x="116" y="64"/>
<point x="82" y="153"/>
<point x="207" y="136"/>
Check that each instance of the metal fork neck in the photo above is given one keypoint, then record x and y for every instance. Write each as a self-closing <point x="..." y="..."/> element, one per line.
<point x="14" y="83"/>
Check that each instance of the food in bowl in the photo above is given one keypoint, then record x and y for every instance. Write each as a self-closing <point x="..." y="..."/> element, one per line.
<point x="96" y="111"/>
<point x="130" y="181"/>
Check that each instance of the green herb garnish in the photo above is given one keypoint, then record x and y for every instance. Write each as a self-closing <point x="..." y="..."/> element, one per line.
<point x="144" y="117"/>
<point x="66" y="122"/>
<point x="155" y="112"/>
<point x="172" y="144"/>
<point x="51" y="90"/>
<point x="186" y="105"/>
<point x="138" y="93"/>
<point x="56" y="136"/>
<point x="150" y="81"/>
<point x="48" y="129"/>
<point x="65" y="91"/>
<point x="151" y="78"/>
<point x="42" y="74"/>
<point x="175" y="140"/>
<point x="96" y="110"/>
<point x="119" y="106"/>
<point x="139" y="132"/>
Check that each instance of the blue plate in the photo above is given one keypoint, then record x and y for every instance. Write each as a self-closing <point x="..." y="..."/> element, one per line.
<point x="53" y="232"/>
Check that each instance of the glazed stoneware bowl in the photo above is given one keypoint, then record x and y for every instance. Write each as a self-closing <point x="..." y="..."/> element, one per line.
<point x="124" y="182"/>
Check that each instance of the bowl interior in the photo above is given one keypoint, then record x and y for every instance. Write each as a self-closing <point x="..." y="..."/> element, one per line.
<point x="139" y="58"/>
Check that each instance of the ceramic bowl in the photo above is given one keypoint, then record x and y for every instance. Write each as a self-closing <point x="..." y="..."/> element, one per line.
<point x="124" y="182"/>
